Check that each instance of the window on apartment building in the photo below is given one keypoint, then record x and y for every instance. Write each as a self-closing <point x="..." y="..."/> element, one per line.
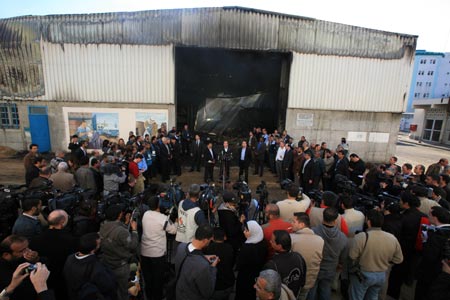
<point x="9" y="116"/>
<point x="420" y="72"/>
<point x="426" y="95"/>
<point x="433" y="61"/>
<point x="430" y="72"/>
<point x="416" y="95"/>
<point x="428" y="83"/>
<point x="423" y="61"/>
<point x="419" y="83"/>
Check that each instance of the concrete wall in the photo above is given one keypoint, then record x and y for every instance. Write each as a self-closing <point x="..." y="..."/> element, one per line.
<point x="19" y="139"/>
<point x="373" y="136"/>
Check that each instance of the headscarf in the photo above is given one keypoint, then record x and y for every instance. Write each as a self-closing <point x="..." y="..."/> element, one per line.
<point x="256" y="233"/>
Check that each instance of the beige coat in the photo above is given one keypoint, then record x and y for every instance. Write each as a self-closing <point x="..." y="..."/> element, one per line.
<point x="310" y="246"/>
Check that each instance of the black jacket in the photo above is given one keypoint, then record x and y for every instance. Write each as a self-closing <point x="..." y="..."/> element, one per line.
<point x="225" y="274"/>
<point x="79" y="271"/>
<point x="55" y="245"/>
<point x="247" y="158"/>
<point x="230" y="223"/>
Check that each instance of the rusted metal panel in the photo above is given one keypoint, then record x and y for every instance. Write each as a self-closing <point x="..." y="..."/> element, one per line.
<point x="348" y="83"/>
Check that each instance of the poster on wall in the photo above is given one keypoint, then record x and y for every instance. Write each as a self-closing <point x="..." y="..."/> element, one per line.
<point x="94" y="127"/>
<point x="99" y="124"/>
<point x="149" y="122"/>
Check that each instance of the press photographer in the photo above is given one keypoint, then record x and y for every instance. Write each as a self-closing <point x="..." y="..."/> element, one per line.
<point x="190" y="216"/>
<point x="435" y="238"/>
<point x="231" y="221"/>
<point x="247" y="206"/>
<point x="296" y="202"/>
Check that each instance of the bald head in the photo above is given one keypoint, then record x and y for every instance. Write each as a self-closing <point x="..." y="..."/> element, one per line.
<point x="58" y="219"/>
<point x="272" y="211"/>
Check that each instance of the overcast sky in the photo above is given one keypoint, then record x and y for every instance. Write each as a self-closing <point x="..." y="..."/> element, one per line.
<point x="427" y="19"/>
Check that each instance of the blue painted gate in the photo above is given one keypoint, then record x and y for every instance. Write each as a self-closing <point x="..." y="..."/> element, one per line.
<point x="40" y="135"/>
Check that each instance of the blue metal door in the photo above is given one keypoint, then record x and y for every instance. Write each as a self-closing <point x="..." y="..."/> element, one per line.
<point x="40" y="135"/>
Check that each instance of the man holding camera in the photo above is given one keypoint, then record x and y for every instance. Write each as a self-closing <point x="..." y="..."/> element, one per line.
<point x="190" y="216"/>
<point x="375" y="251"/>
<point x="154" y="248"/>
<point x="291" y="205"/>
<point x="196" y="273"/>
<point x="118" y="246"/>
<point x="15" y="258"/>
<point x="433" y="250"/>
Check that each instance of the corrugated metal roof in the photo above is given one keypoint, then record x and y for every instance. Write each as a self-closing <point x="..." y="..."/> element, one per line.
<point x="227" y="27"/>
<point x="109" y="73"/>
<point x="348" y="83"/>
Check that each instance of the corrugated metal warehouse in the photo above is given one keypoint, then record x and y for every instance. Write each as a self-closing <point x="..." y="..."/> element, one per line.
<point x="107" y="74"/>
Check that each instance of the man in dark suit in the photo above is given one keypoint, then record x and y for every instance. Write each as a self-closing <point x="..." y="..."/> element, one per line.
<point x="245" y="159"/>
<point x="225" y="157"/>
<point x="55" y="244"/>
<point x="175" y="149"/>
<point x="288" y="161"/>
<point x="307" y="173"/>
<point x="210" y="161"/>
<point x="81" y="151"/>
<point x="340" y="165"/>
<point x="196" y="153"/>
<point x="165" y="157"/>
<point x="260" y="153"/>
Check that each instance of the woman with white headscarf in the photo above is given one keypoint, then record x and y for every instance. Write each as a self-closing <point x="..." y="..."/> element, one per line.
<point x="250" y="261"/>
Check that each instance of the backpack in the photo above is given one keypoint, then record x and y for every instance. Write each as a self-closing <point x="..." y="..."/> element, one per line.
<point x="88" y="290"/>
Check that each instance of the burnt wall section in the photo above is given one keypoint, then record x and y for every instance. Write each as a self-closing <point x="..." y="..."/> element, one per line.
<point x="228" y="91"/>
<point x="226" y="27"/>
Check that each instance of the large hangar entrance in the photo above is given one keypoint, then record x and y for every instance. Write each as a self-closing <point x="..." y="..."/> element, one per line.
<point x="228" y="92"/>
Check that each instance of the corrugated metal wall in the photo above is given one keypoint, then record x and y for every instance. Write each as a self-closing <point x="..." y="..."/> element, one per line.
<point x="108" y="73"/>
<point x="79" y="41"/>
<point x="348" y="83"/>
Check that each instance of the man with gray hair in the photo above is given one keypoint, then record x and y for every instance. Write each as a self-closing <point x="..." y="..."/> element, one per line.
<point x="190" y="216"/>
<point x="59" y="157"/>
<point x="269" y="287"/>
<point x="63" y="180"/>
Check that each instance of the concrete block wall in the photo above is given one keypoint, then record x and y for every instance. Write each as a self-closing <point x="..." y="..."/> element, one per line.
<point x="331" y="126"/>
<point x="20" y="139"/>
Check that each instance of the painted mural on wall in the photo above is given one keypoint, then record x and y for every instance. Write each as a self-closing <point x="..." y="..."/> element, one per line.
<point x="94" y="127"/>
<point x="99" y="124"/>
<point x="149" y="122"/>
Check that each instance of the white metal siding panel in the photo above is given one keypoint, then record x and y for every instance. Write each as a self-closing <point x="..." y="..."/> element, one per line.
<point x="348" y="83"/>
<point x="108" y="73"/>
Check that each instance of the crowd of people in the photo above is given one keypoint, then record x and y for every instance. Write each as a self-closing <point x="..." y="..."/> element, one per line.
<point x="332" y="232"/>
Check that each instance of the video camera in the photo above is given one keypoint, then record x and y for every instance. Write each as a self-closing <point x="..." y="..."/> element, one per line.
<point x="344" y="185"/>
<point x="208" y="196"/>
<point x="169" y="198"/>
<point x="244" y="194"/>
<point x="286" y="185"/>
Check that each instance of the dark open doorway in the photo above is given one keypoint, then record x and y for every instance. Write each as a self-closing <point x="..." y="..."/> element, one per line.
<point x="228" y="92"/>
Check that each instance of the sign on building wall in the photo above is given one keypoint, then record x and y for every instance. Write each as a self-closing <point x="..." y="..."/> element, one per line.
<point x="379" y="137"/>
<point x="353" y="136"/>
<point x="99" y="124"/>
<point x="305" y="120"/>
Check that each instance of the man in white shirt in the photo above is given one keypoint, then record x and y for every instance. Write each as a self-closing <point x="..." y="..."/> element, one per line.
<point x="154" y="248"/>
<point x="279" y="160"/>
<point x="354" y="218"/>
<point x="291" y="205"/>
